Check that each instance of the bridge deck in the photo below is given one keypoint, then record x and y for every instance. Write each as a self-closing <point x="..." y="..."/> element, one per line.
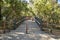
<point x="34" y="33"/>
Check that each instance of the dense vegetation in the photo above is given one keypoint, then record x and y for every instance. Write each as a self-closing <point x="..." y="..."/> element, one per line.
<point x="12" y="11"/>
<point x="48" y="11"/>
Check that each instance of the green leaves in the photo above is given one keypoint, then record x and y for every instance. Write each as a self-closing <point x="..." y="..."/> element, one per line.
<point x="13" y="10"/>
<point x="46" y="9"/>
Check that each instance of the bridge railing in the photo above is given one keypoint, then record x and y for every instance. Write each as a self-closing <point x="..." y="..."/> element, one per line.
<point x="6" y="26"/>
<point x="47" y="27"/>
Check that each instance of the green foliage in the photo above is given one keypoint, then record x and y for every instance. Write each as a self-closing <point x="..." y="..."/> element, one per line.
<point x="12" y="10"/>
<point x="47" y="10"/>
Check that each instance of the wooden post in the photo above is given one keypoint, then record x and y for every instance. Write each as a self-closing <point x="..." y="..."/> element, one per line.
<point x="4" y="23"/>
<point x="4" y="26"/>
<point x="26" y="29"/>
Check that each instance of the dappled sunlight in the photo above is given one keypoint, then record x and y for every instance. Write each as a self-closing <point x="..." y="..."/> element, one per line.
<point x="1" y="37"/>
<point x="19" y="33"/>
<point x="9" y="37"/>
<point x="18" y="37"/>
<point x="14" y="34"/>
<point x="44" y="35"/>
<point x="31" y="36"/>
<point x="35" y="29"/>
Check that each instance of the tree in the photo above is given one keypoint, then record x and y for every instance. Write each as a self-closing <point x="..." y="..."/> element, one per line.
<point x="13" y="10"/>
<point x="0" y="10"/>
<point x="47" y="10"/>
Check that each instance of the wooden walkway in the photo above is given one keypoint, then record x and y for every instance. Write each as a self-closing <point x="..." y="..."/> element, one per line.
<point x="34" y="33"/>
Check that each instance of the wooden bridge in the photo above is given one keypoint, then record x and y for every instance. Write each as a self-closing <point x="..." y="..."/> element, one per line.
<point x="28" y="30"/>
